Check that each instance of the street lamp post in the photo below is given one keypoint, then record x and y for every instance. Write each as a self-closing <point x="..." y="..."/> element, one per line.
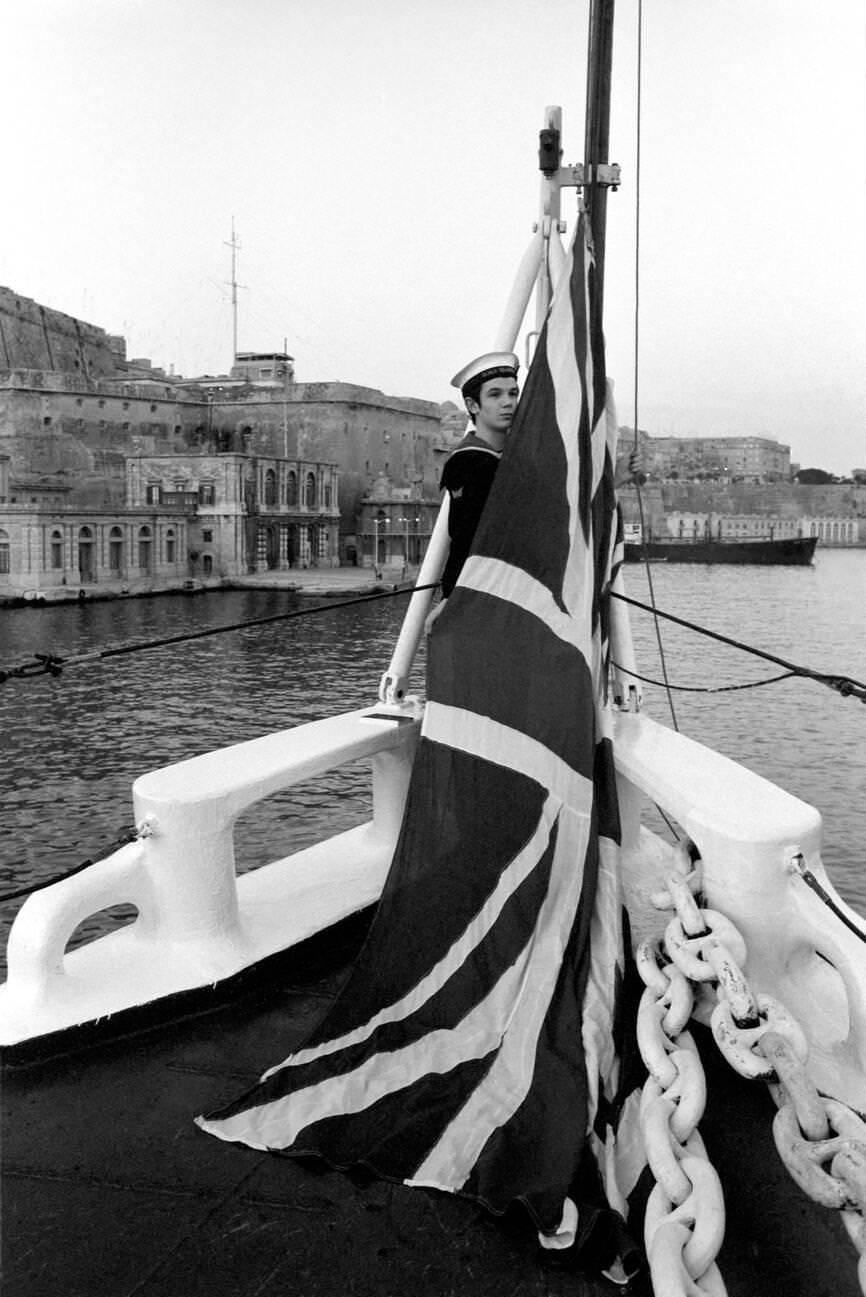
<point x="378" y="521"/>
<point x="405" y="529"/>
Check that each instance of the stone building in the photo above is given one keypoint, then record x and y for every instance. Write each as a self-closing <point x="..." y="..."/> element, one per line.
<point x="71" y="434"/>
<point x="835" y="531"/>
<point x="394" y="526"/>
<point x="250" y="513"/>
<point x="54" y="551"/>
<point x="365" y="432"/>
<point x="736" y="459"/>
<point x="74" y="409"/>
<point x="684" y="523"/>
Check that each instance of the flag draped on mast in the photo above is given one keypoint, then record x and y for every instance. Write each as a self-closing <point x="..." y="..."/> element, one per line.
<point x="476" y="1045"/>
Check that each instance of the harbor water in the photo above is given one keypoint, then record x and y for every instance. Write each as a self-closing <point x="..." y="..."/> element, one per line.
<point x="72" y="746"/>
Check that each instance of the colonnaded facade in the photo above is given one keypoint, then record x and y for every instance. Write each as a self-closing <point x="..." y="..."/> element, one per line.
<point x="187" y="521"/>
<point x="250" y="513"/>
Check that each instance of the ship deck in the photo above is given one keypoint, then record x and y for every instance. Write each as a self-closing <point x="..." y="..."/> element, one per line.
<point x="111" y="1189"/>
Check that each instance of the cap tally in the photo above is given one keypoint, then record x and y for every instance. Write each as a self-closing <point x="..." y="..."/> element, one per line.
<point x="493" y="364"/>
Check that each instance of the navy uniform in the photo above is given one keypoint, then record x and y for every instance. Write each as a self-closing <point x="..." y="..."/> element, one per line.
<point x="470" y="469"/>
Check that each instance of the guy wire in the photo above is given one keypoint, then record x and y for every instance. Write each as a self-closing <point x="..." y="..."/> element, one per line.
<point x="637" y="214"/>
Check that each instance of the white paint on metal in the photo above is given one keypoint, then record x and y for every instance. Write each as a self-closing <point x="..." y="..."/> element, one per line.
<point x="197" y="922"/>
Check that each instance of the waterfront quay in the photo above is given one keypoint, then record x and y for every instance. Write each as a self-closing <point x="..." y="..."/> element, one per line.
<point x="311" y="582"/>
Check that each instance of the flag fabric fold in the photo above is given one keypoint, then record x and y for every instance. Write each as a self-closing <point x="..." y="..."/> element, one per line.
<point x="477" y="1045"/>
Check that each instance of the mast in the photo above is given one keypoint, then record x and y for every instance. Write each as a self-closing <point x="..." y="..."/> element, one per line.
<point x="234" y="245"/>
<point x="597" y="137"/>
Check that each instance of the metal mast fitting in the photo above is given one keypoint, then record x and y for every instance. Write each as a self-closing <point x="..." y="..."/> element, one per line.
<point x="554" y="178"/>
<point x="573" y="175"/>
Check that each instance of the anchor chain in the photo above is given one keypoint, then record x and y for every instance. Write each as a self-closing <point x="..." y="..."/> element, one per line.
<point x="821" y="1141"/>
<point x="685" y="1216"/>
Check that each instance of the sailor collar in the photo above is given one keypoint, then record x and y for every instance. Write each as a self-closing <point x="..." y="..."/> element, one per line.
<point x="471" y="442"/>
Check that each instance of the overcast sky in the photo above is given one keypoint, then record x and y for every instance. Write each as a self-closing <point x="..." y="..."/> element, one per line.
<point x="378" y="159"/>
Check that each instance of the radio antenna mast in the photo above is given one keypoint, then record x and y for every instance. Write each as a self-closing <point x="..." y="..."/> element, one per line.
<point x="234" y="244"/>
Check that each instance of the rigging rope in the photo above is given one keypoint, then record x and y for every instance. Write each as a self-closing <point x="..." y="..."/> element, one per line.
<point x="636" y="376"/>
<point x="123" y="840"/>
<point x="53" y="664"/>
<point x="844" y="685"/>
<point x="705" y="689"/>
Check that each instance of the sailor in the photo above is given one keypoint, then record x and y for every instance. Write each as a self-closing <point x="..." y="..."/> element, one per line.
<point x="489" y="388"/>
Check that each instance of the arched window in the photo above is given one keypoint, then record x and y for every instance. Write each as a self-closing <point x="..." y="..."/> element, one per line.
<point x="85" y="554"/>
<point x="115" y="549"/>
<point x="292" y="487"/>
<point x="56" y="549"/>
<point x="145" y="549"/>
<point x="170" y="546"/>
<point x="310" y="491"/>
<point x="270" y="487"/>
<point x="4" y="552"/>
<point x="322" y="542"/>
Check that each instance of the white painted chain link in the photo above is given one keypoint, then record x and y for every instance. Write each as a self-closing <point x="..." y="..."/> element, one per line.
<point x="685" y="1216"/>
<point x="821" y="1141"/>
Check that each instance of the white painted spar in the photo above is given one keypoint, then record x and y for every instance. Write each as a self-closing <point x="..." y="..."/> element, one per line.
<point x="749" y="833"/>
<point x="199" y="923"/>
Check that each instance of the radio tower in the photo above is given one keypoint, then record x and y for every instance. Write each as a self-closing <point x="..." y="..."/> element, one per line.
<point x="235" y="246"/>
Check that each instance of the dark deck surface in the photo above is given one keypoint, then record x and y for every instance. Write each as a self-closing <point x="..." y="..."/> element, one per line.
<point x="111" y="1191"/>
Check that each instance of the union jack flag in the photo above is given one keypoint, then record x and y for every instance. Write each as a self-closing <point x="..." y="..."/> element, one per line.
<point x="476" y="1047"/>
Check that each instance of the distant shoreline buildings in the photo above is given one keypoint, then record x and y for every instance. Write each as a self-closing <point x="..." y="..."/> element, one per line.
<point x="118" y="477"/>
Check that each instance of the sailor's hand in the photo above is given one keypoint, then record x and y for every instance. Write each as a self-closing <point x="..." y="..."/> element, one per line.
<point x="633" y="470"/>
<point x="636" y="463"/>
<point x="431" y="617"/>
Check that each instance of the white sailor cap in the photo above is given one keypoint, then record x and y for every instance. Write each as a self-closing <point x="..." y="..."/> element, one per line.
<point x="493" y="364"/>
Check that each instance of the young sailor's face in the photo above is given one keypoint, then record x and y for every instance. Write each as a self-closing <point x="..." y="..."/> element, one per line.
<point x="497" y="402"/>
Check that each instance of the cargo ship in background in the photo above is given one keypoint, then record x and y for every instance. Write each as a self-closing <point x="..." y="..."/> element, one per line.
<point x="792" y="551"/>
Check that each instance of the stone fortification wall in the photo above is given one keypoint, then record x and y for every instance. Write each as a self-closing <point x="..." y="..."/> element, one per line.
<point x="783" y="499"/>
<point x="63" y="432"/>
<point x="77" y="440"/>
<point x="37" y="337"/>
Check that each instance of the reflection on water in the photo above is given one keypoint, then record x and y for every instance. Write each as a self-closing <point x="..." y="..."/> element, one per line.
<point x="71" y="747"/>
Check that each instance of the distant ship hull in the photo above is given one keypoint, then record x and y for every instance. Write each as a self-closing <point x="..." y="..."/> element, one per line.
<point x="796" y="550"/>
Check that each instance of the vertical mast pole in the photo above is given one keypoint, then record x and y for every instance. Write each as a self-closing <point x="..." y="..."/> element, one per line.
<point x="597" y="138"/>
<point x="234" y="245"/>
<point x="626" y="687"/>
